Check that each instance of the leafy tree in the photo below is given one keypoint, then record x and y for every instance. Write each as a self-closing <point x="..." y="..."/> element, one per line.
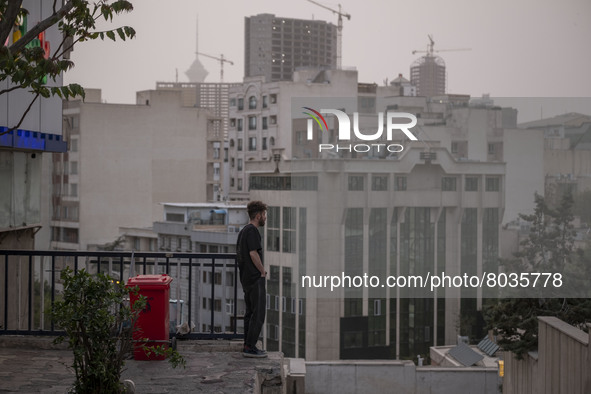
<point x="27" y="65"/>
<point x="548" y="248"/>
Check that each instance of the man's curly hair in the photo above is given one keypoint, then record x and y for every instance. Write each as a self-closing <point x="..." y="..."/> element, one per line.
<point x="255" y="207"/>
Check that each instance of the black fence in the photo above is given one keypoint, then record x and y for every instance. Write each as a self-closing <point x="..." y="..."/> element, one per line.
<point x="204" y="291"/>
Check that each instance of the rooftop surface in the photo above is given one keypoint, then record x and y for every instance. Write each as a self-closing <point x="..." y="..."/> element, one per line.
<point x="30" y="365"/>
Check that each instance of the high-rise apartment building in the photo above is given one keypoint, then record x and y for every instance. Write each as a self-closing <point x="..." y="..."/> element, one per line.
<point x="275" y="47"/>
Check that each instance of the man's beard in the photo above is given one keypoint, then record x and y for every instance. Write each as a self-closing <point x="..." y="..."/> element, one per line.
<point x="262" y="222"/>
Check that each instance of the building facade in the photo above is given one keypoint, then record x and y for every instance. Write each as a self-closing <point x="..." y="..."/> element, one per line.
<point x="275" y="47"/>
<point x="123" y="161"/>
<point x="437" y="206"/>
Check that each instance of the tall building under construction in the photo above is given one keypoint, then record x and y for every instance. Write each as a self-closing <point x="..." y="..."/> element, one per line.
<point x="428" y="75"/>
<point x="275" y="47"/>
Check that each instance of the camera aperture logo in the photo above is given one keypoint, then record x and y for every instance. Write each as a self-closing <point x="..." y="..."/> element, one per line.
<point x="344" y="127"/>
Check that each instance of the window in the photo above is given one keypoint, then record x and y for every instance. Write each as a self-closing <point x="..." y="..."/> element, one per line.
<point x="454" y="147"/>
<point x="232" y="182"/>
<point x="232" y="161"/>
<point x="216" y="150"/>
<point x="239" y="164"/>
<point x="233" y="102"/>
<point x="273" y="229"/>
<point x="74" y="190"/>
<point x="448" y="184"/>
<point x="265" y="101"/>
<point x="471" y="184"/>
<point x="240" y="104"/>
<point x="264" y="143"/>
<point x="289" y="230"/>
<point x="492" y="184"/>
<point x="240" y="144"/>
<point x="217" y="305"/>
<point x="283" y="304"/>
<point x="231" y="143"/>
<point x="268" y="299"/>
<point x="356" y="182"/>
<point x="239" y="125"/>
<point x="377" y="307"/>
<point x="252" y="102"/>
<point x="239" y="183"/>
<point x="400" y="183"/>
<point x="273" y="99"/>
<point x="233" y="122"/>
<point x="252" y="143"/>
<point x="252" y="123"/>
<point x="379" y="183"/>
<point x="73" y="168"/>
<point x="265" y="125"/>
<point x="491" y="148"/>
<point x="273" y="119"/>
<point x="272" y="141"/>
<point x="299" y="137"/>
<point x="217" y="278"/>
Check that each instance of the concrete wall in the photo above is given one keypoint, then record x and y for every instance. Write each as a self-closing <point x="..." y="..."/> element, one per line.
<point x="132" y="158"/>
<point x="561" y="365"/>
<point x="396" y="376"/>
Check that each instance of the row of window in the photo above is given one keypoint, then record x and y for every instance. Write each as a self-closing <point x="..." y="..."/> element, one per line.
<point x="65" y="190"/>
<point x="252" y="143"/>
<point x="253" y="101"/>
<point x="253" y="122"/>
<point x="207" y="305"/>
<point x="448" y="183"/>
<point x="296" y="305"/>
<point x="65" y="168"/>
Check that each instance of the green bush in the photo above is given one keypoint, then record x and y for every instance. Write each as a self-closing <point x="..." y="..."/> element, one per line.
<point x="98" y="321"/>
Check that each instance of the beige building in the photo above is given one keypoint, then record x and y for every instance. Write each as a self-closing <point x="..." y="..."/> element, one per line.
<point x="567" y="152"/>
<point x="437" y="206"/>
<point x="124" y="160"/>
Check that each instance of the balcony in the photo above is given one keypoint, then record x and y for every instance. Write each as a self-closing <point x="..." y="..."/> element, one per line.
<point x="31" y="283"/>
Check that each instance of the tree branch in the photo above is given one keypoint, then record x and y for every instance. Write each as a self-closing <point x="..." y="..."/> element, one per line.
<point x="15" y="87"/>
<point x="22" y="117"/>
<point x="8" y="19"/>
<point x="41" y="27"/>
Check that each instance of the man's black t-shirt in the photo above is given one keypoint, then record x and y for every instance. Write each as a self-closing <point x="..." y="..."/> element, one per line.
<point x="249" y="239"/>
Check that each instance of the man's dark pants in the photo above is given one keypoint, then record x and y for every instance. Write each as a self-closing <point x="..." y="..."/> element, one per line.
<point x="255" y="297"/>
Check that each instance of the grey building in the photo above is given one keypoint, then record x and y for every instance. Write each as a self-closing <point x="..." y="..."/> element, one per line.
<point x="275" y="47"/>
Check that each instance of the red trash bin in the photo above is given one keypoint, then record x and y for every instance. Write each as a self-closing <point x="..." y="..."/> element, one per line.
<point x="153" y="320"/>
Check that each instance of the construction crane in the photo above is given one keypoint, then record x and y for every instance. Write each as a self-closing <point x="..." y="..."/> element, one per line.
<point x="221" y="59"/>
<point x="430" y="49"/>
<point x="341" y="14"/>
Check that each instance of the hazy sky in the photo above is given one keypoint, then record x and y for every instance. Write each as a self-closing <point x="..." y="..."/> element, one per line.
<point x="519" y="48"/>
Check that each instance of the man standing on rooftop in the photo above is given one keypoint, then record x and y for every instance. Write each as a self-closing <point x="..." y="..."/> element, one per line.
<point x="249" y="255"/>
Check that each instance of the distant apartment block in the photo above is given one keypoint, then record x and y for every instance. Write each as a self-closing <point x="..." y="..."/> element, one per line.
<point x="275" y="47"/>
<point x="199" y="228"/>
<point x="124" y="160"/>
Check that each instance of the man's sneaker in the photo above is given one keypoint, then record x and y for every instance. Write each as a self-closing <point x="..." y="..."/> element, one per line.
<point x="253" y="352"/>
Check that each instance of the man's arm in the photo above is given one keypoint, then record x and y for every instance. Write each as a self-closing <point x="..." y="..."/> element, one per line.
<point x="256" y="259"/>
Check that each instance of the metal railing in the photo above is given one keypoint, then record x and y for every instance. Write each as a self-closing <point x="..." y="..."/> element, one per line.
<point x="203" y="282"/>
